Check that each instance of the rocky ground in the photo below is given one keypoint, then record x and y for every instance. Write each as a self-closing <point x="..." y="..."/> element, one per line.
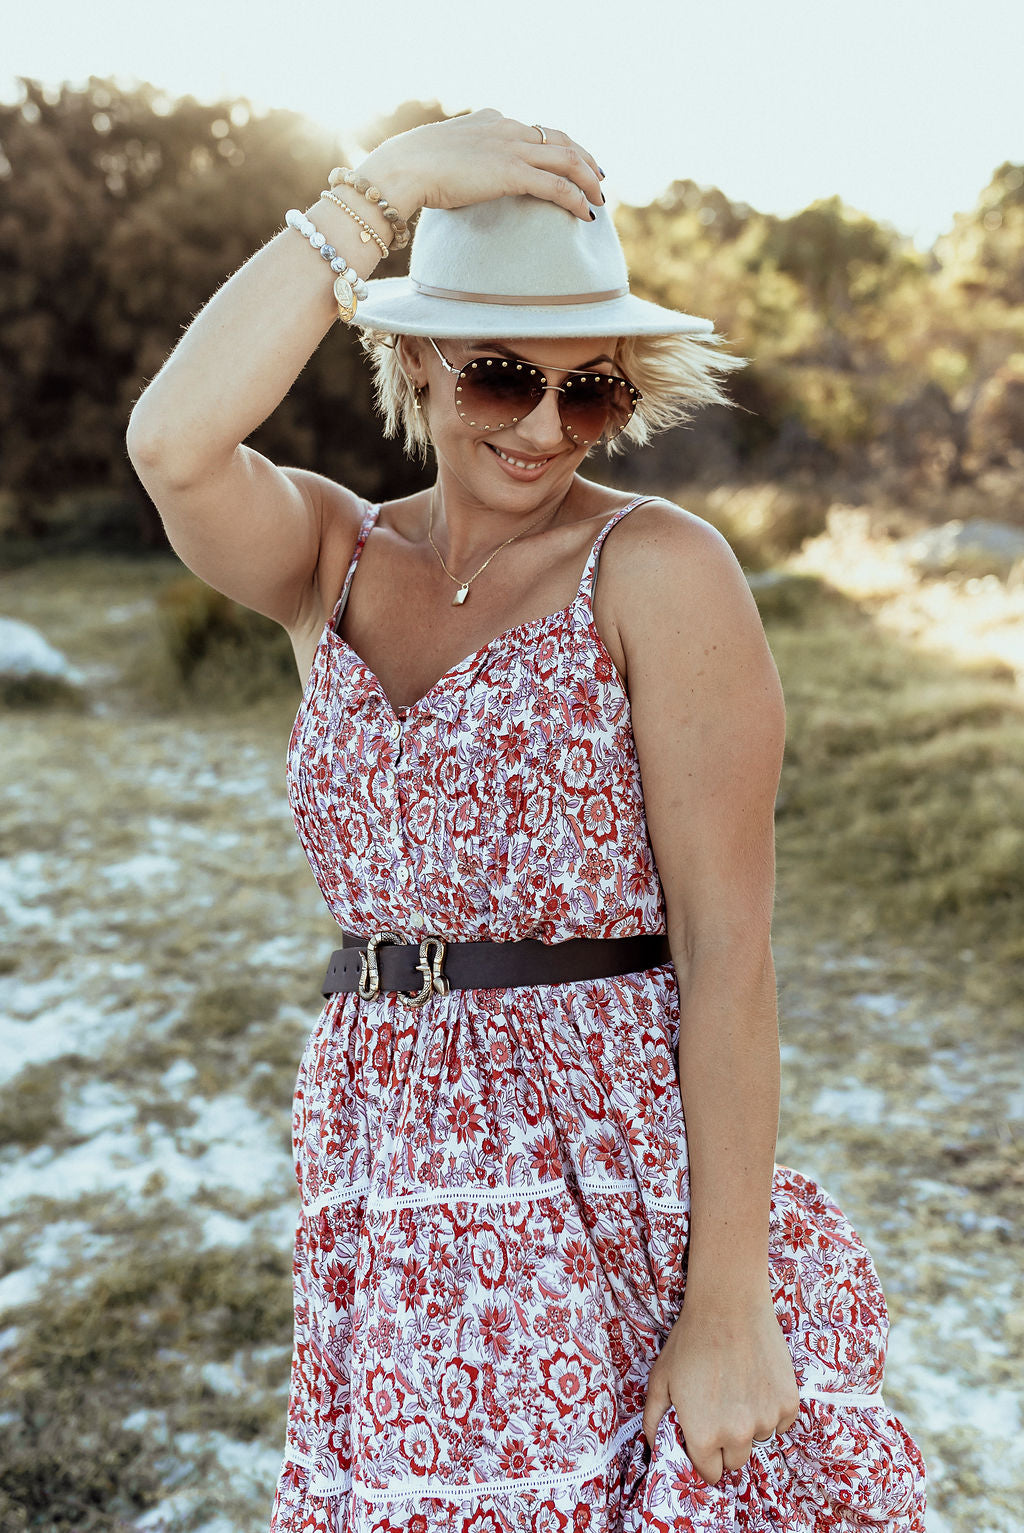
<point x="167" y="939"/>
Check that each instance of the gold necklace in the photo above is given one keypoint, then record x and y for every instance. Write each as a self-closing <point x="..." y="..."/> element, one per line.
<point x="464" y="585"/>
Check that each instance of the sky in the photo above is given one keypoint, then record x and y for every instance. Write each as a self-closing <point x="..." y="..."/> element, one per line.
<point x="903" y="107"/>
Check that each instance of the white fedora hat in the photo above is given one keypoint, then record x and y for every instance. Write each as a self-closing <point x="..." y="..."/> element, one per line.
<point x="516" y="266"/>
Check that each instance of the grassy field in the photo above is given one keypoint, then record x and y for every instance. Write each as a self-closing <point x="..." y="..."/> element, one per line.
<point x="168" y="940"/>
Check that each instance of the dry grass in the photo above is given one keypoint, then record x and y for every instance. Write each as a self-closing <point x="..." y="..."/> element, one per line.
<point x="31" y="1107"/>
<point x="89" y="1368"/>
<point x="902" y="801"/>
<point x="902" y="798"/>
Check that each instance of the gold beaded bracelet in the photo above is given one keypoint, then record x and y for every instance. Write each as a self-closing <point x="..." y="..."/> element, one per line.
<point x="373" y="194"/>
<point x="369" y="233"/>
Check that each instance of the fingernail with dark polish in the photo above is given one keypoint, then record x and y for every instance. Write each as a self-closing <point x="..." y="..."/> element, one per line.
<point x="593" y="215"/>
<point x="603" y="198"/>
<point x="600" y="172"/>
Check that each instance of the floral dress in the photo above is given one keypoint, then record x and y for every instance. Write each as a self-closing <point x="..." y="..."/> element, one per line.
<point x="491" y="1247"/>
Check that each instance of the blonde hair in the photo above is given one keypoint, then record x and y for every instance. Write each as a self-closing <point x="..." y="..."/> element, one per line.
<point x="676" y="374"/>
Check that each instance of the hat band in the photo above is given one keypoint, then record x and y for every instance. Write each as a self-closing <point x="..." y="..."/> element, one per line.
<point x="538" y="301"/>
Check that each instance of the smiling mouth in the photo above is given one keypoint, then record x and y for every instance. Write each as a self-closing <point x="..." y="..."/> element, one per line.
<point x="520" y="462"/>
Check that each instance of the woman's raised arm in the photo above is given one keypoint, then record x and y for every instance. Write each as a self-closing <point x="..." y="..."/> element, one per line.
<point x="247" y="527"/>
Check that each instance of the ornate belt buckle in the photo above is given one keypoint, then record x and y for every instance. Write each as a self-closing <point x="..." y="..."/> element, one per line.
<point x="431" y="964"/>
<point x="369" y="974"/>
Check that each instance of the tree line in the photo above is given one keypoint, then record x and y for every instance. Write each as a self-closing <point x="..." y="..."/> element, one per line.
<point x="121" y="212"/>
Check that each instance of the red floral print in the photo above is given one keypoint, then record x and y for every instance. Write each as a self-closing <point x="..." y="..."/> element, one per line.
<point x="491" y="1244"/>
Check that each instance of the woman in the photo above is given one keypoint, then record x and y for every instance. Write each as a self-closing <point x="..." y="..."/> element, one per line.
<point x="542" y="807"/>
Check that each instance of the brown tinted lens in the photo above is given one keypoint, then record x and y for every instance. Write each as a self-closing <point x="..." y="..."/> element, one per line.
<point x="492" y="392"/>
<point x="595" y="405"/>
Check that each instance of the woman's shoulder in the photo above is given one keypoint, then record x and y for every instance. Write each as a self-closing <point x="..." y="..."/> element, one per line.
<point x="661" y="545"/>
<point x="670" y="582"/>
<point x="684" y="616"/>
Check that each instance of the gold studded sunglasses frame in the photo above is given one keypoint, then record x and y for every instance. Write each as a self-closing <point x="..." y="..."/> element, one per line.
<point x="615" y="396"/>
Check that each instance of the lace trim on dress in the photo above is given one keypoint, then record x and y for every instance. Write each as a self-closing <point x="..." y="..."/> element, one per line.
<point x="475" y="1193"/>
<point x="590" y="1467"/>
<point x="850" y="1397"/>
<point x="401" y="1490"/>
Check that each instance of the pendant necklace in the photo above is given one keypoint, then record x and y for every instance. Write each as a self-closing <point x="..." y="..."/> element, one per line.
<point x="464" y="585"/>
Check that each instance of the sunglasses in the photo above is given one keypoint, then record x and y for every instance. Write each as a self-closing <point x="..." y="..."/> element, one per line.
<point x="494" y="392"/>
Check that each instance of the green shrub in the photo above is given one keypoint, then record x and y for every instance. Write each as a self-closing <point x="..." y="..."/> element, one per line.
<point x="764" y="522"/>
<point x="210" y="649"/>
<point x="39" y="691"/>
<point x="116" y="521"/>
<point x="783" y="596"/>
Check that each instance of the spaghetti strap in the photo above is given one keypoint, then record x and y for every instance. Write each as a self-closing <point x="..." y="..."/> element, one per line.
<point x="369" y="521"/>
<point x="588" y="580"/>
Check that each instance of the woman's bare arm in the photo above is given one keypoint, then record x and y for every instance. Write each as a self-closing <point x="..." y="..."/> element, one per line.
<point x="244" y="525"/>
<point x="709" y="723"/>
<point x="247" y="527"/>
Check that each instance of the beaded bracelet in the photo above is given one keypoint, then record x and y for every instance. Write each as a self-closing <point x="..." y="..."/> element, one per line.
<point x="369" y="232"/>
<point x="348" y="284"/>
<point x="373" y="194"/>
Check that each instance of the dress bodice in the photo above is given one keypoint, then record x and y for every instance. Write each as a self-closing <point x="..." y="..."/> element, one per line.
<point x="505" y="803"/>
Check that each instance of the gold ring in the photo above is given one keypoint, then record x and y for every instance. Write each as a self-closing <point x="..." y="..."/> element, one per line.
<point x="540" y="130"/>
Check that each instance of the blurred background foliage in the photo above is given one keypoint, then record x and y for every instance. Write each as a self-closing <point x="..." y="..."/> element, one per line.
<point x="880" y="372"/>
<point x="121" y="212"/>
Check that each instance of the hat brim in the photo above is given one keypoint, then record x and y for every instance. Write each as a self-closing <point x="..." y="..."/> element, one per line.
<point x="394" y="306"/>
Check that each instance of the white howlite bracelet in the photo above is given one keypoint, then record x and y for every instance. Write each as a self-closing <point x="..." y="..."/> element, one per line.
<point x="347" y="278"/>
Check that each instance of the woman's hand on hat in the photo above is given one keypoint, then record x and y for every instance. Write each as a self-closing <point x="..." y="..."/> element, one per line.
<point x="481" y="156"/>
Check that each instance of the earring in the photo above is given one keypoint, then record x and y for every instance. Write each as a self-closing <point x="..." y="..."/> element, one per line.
<point x="418" y="392"/>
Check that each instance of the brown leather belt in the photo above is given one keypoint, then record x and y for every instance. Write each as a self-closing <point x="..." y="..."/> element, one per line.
<point x="417" y="970"/>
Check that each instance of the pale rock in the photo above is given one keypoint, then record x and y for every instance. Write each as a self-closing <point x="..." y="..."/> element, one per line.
<point x="974" y="547"/>
<point x="25" y="652"/>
